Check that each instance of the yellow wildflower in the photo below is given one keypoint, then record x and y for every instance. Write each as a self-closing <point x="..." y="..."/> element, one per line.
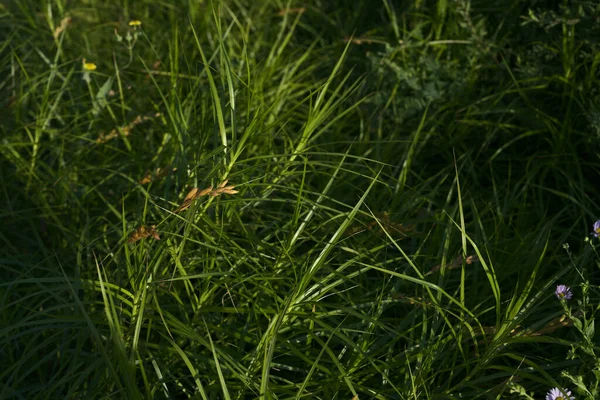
<point x="89" y="66"/>
<point x="135" y="22"/>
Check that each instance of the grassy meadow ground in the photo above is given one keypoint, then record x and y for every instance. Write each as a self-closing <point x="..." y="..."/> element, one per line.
<point x="364" y="199"/>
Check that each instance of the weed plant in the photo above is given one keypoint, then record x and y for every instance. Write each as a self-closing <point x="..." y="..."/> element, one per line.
<point x="322" y="199"/>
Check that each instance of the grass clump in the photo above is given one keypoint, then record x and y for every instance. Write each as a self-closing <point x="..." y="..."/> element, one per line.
<point x="235" y="199"/>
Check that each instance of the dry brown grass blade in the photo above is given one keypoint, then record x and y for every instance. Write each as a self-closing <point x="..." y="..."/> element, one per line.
<point x="557" y="323"/>
<point x="184" y="206"/>
<point x="159" y="173"/>
<point x="146" y="179"/>
<point x="194" y="194"/>
<point x="64" y="23"/>
<point x="205" y="192"/>
<point x="155" y="68"/>
<point x="222" y="188"/>
<point x="456" y="263"/>
<point x="125" y="130"/>
<point x="358" y="40"/>
<point x="229" y="191"/>
<point x="143" y="232"/>
<point x="191" y="194"/>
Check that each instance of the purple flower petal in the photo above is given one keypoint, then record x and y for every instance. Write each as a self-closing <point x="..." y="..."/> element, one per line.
<point x="563" y="292"/>
<point x="557" y="394"/>
<point x="596" y="232"/>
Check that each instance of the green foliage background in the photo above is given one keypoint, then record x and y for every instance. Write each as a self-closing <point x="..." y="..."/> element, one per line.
<point x="375" y="147"/>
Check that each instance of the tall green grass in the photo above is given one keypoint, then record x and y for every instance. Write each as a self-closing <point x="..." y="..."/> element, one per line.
<point x="413" y="181"/>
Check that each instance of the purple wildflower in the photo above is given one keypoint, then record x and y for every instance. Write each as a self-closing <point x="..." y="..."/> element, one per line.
<point x="563" y="292"/>
<point x="596" y="232"/>
<point x="557" y="394"/>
